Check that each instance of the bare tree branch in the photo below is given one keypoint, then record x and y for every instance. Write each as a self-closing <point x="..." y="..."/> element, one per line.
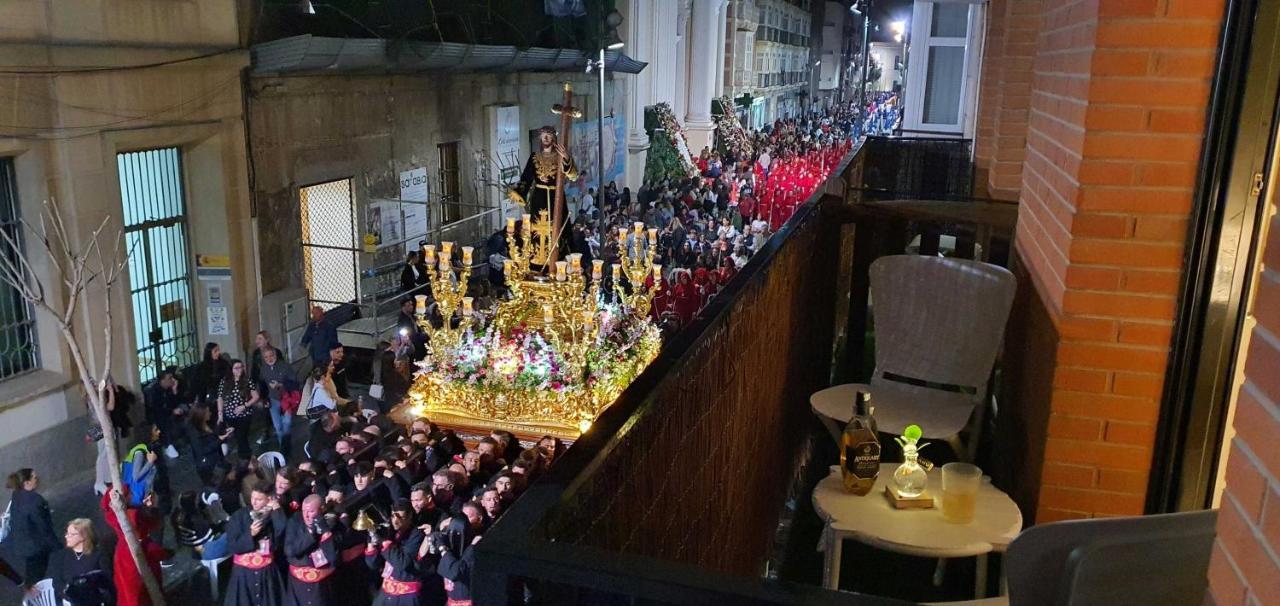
<point x="70" y="263"/>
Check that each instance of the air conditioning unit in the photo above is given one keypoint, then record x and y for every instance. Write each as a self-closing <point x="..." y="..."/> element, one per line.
<point x="284" y="313"/>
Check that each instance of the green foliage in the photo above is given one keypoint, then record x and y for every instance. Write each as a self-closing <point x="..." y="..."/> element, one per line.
<point x="663" y="161"/>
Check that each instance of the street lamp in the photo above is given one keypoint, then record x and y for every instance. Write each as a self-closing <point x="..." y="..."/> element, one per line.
<point x="813" y="84"/>
<point x="610" y="24"/>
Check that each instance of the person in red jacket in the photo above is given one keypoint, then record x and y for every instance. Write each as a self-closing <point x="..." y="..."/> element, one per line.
<point x="685" y="298"/>
<point x="129" y="588"/>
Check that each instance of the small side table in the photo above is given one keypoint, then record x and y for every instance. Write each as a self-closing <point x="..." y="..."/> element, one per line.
<point x="923" y="533"/>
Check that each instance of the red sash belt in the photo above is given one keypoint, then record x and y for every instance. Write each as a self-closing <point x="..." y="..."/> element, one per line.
<point x="307" y="574"/>
<point x="453" y="602"/>
<point x="252" y="560"/>
<point x="393" y="587"/>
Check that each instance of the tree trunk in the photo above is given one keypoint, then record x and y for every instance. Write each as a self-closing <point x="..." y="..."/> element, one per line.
<point x="118" y="506"/>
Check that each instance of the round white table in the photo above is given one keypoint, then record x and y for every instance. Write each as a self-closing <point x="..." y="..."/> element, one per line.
<point x="870" y="519"/>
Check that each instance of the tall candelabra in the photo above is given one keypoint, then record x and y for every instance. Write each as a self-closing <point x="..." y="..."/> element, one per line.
<point x="636" y="265"/>
<point x="450" y="291"/>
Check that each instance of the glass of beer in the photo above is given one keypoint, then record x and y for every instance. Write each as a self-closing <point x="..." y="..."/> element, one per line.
<point x="960" y="483"/>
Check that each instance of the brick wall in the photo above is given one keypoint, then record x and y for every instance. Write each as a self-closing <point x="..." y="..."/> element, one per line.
<point x="1245" y="567"/>
<point x="984" y="144"/>
<point x="1117" y="98"/>
<point x="1021" y="25"/>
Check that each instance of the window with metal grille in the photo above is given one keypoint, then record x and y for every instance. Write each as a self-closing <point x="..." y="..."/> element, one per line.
<point x="153" y="198"/>
<point x="449" y="187"/>
<point x="329" y="242"/>
<point x="18" y="353"/>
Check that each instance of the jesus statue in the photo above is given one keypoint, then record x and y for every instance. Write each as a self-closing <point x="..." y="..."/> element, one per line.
<point x="536" y="190"/>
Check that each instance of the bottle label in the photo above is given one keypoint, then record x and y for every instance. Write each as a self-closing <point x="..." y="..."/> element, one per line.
<point x="863" y="459"/>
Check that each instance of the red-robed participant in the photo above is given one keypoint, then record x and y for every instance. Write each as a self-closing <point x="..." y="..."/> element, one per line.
<point x="685" y="298"/>
<point x="129" y="588"/>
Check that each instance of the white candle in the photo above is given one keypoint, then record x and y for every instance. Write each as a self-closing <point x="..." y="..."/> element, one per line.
<point x="511" y="225"/>
<point x="444" y="265"/>
<point x="561" y="268"/>
<point x="506" y="267"/>
<point x="597" y="269"/>
<point x="420" y="305"/>
<point x="546" y="313"/>
<point x="446" y="250"/>
<point x="575" y="263"/>
<point x="653" y="236"/>
<point x="429" y="254"/>
<point x="588" y="319"/>
<point x="639" y="227"/>
<point x="466" y="306"/>
<point x="466" y="255"/>
<point x="657" y="273"/>
<point x="615" y="271"/>
<point x="526" y="222"/>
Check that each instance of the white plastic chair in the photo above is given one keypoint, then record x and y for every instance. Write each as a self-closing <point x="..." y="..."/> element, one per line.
<point x="937" y="321"/>
<point x="271" y="461"/>
<point x="212" y="567"/>
<point x="42" y="594"/>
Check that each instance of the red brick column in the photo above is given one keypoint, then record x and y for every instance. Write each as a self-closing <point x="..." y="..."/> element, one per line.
<point x="1117" y="102"/>
<point x="1245" y="568"/>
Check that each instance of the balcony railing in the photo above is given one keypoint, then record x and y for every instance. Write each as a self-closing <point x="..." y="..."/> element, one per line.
<point x="667" y="499"/>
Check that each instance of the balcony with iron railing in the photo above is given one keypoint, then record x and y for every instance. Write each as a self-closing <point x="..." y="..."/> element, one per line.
<point x="679" y="491"/>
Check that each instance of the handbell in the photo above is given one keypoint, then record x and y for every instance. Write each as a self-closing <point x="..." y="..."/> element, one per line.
<point x="363" y="522"/>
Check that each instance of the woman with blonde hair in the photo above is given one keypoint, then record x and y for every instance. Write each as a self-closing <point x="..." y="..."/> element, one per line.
<point x="81" y="573"/>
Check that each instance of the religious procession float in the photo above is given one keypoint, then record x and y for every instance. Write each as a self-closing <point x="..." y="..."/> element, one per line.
<point x="562" y="346"/>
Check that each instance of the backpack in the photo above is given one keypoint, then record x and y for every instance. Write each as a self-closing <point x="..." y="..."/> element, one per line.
<point x="138" y="488"/>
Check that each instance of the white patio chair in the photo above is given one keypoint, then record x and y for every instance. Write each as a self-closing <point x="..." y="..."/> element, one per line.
<point x="212" y="567"/>
<point x="270" y="461"/>
<point x="939" y="324"/>
<point x="42" y="594"/>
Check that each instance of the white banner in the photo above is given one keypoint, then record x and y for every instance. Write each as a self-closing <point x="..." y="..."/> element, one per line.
<point x="414" y="187"/>
<point x="505" y="160"/>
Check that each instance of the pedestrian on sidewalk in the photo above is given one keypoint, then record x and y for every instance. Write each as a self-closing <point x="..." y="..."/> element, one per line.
<point x="31" y="535"/>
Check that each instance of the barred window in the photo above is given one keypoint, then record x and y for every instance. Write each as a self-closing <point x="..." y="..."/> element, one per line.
<point x="17" y="327"/>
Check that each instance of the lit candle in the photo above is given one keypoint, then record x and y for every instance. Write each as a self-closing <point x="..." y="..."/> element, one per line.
<point x="526" y="222"/>
<point x="561" y="267"/>
<point x="588" y="319"/>
<point x="429" y="254"/>
<point x="507" y="267"/>
<point x="639" y="227"/>
<point x="597" y="269"/>
<point x="575" y="263"/>
<point x="615" y="270"/>
<point x="653" y="236"/>
<point x="622" y="234"/>
<point x="444" y="265"/>
<point x="546" y="313"/>
<point x="657" y="273"/>
<point x="466" y="255"/>
<point x="511" y="225"/>
<point x="466" y="306"/>
<point x="420" y="305"/>
<point x="446" y="250"/>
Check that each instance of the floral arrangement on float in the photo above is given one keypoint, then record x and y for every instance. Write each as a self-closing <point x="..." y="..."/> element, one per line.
<point x="675" y="134"/>
<point x="553" y="355"/>
<point x="729" y="131"/>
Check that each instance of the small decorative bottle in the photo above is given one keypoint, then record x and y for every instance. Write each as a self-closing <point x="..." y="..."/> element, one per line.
<point x="909" y="478"/>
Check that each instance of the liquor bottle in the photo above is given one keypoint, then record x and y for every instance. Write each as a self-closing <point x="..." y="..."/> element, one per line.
<point x="860" y="449"/>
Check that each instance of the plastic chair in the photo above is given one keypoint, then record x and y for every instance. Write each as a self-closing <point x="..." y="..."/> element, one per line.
<point x="1157" y="560"/>
<point x="41" y="595"/>
<point x="939" y="324"/>
<point x="212" y="567"/>
<point x="271" y="461"/>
